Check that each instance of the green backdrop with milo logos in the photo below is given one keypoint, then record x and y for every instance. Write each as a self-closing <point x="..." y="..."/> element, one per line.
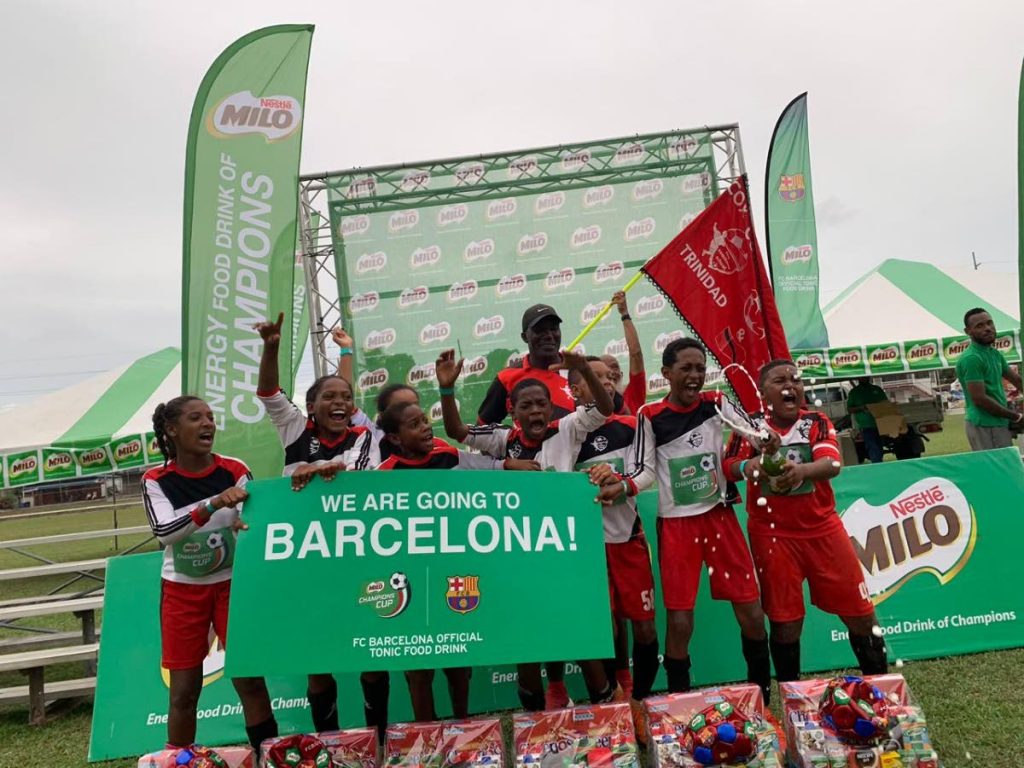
<point x="938" y="537"/>
<point x="448" y="255"/>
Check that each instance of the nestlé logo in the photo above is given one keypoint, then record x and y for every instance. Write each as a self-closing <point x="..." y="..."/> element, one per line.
<point x="501" y="209"/>
<point x="478" y="249"/>
<point x="611" y="271"/>
<point x="410" y="297"/>
<point x="795" y="254"/>
<point x="559" y="278"/>
<point x="374" y="379"/>
<point x="276" y="117"/>
<point x="402" y="220"/>
<point x="371" y="262"/>
<point x="648" y="190"/>
<point x="549" y="202"/>
<point x="510" y="285"/>
<point x="435" y="332"/>
<point x="636" y="230"/>
<point x="489" y="326"/>
<point x="380" y="339"/>
<point x="426" y="257"/>
<point x="532" y="243"/>
<point x="462" y="291"/>
<point x="355" y="225"/>
<point x="583" y="236"/>
<point x="364" y="302"/>
<point x="452" y="214"/>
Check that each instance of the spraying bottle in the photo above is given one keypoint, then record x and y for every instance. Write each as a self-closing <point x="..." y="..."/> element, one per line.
<point x="772" y="466"/>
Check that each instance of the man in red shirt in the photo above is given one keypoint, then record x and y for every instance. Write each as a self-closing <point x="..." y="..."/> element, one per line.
<point x="796" y="535"/>
<point x="542" y="332"/>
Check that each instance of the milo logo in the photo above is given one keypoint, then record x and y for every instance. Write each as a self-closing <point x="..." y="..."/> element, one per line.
<point x="22" y="466"/>
<point x="657" y="383"/>
<point x="883" y="355"/>
<point x="371" y="262"/>
<point x="468" y="174"/>
<point x="641" y="229"/>
<point x="57" y="461"/>
<point x="402" y="220"/>
<point x="583" y="236"/>
<point x="532" y="243"/>
<point x="523" y="166"/>
<point x="478" y="249"/>
<point x="93" y="458"/>
<point x="275" y="117"/>
<point x="380" y="339"/>
<point x="425" y="257"/>
<point x="574" y="161"/>
<point x="515" y="360"/>
<point x="462" y="291"/>
<point x="648" y="190"/>
<point x="387" y="599"/>
<point x="649" y="305"/>
<point x="354" y="225"/>
<point x="696" y="184"/>
<point x="452" y="214"/>
<point x="598" y="196"/>
<point x="559" y="278"/>
<point x="686" y="220"/>
<point x="434" y="332"/>
<point x="375" y="379"/>
<point x="420" y="373"/>
<point x="153" y="447"/>
<point x="629" y="154"/>
<point x="547" y="203"/>
<point x="364" y="302"/>
<point x="1003" y="343"/>
<point x="810" y="360"/>
<point x="415" y="180"/>
<point x="682" y="148"/>
<point x="607" y="272"/>
<point x="365" y="187"/>
<point x="924" y="351"/>
<point x="489" y="326"/>
<point x="510" y="285"/>
<point x="436" y="413"/>
<point x="848" y="358"/>
<point x="957" y="348"/>
<point x="797" y="253"/>
<point x="616" y="347"/>
<point x="475" y="366"/>
<point x="590" y="312"/>
<point x="411" y="297"/>
<point x="128" y="450"/>
<point x="927" y="528"/>
<point x="501" y="209"/>
<point x="664" y="339"/>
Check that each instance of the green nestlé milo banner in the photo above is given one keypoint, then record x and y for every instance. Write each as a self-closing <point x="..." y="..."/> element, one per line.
<point x="427" y="569"/>
<point x="94" y="461"/>
<point x="241" y="185"/>
<point x="22" y="468"/>
<point x="58" y="464"/>
<point x="129" y="451"/>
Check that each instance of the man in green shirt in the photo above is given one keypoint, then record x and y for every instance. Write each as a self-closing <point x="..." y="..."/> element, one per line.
<point x="981" y="370"/>
<point x="857" y="402"/>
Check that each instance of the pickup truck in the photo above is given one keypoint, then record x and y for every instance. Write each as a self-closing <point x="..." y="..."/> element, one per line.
<point x="923" y="416"/>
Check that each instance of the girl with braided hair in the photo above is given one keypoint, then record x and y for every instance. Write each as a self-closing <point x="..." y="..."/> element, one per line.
<point x="193" y="503"/>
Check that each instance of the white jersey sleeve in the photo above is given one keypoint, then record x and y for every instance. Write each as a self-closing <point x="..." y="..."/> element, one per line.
<point x="491" y="439"/>
<point x="285" y="416"/>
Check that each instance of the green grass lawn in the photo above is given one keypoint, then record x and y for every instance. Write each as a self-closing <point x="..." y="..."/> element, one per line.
<point x="975" y="704"/>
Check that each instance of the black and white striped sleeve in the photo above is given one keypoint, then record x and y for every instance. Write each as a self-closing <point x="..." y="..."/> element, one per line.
<point x="169" y="524"/>
<point x="644" y="455"/>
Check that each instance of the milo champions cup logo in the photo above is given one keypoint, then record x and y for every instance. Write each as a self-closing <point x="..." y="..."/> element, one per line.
<point x="275" y="117"/>
<point x="927" y="528"/>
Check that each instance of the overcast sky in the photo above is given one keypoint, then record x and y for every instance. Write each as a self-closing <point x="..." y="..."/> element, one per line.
<point x="912" y="123"/>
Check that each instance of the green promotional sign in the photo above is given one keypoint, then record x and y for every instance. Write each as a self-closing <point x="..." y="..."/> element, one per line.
<point x="22" y="468"/>
<point x="241" y="183"/>
<point x="153" y="454"/>
<point x="129" y="451"/>
<point x="448" y="255"/>
<point x="426" y="569"/>
<point x="94" y="461"/>
<point x="896" y="357"/>
<point x="300" y="304"/>
<point x="792" y="237"/>
<point x="58" y="464"/>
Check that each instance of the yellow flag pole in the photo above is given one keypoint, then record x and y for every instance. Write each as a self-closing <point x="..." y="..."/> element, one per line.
<point x="600" y="315"/>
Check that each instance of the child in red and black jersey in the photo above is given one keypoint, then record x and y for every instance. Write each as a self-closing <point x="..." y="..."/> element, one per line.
<point x="543" y="444"/>
<point x="679" y="445"/>
<point x="630" y="580"/>
<point x="413" y="446"/>
<point x="193" y="503"/>
<point x="797" y="535"/>
<point x="321" y="443"/>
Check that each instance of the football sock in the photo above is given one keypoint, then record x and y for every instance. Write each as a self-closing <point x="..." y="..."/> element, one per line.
<point x="323" y="706"/>
<point x="786" y="657"/>
<point x="602" y="696"/>
<point x="531" y="700"/>
<point x="870" y="653"/>
<point x="678" y="672"/>
<point x="261" y="732"/>
<point x="555" y="670"/>
<point x="759" y="665"/>
<point x="645" y="668"/>
<point x="375" y="703"/>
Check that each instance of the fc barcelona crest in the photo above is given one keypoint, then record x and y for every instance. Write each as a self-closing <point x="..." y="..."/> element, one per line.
<point x="463" y="593"/>
<point x="791" y="188"/>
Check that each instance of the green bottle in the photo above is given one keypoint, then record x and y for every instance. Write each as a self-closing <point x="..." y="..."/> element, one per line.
<point x="772" y="466"/>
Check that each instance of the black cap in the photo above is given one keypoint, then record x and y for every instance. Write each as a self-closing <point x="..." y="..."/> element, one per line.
<point x="536" y="313"/>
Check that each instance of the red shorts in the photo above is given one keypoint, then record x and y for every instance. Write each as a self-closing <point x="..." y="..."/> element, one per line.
<point x="827" y="562"/>
<point x="187" y="612"/>
<point x="630" y="580"/>
<point x="715" y="538"/>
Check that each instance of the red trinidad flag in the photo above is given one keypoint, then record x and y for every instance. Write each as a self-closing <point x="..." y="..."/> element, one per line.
<point x="713" y="274"/>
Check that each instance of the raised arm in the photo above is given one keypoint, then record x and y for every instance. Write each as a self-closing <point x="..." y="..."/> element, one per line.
<point x="636" y="352"/>
<point x="447" y="372"/>
<point x="270" y="377"/>
<point x="579" y="363"/>
<point x="344" y="342"/>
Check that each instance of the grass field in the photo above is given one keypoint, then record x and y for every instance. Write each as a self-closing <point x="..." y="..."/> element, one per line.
<point x="975" y="704"/>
